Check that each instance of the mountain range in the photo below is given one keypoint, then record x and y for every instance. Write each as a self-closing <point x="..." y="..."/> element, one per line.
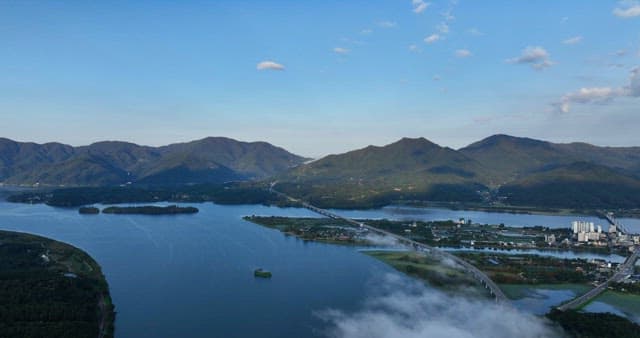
<point x="513" y="170"/>
<point x="500" y="168"/>
<point x="210" y="160"/>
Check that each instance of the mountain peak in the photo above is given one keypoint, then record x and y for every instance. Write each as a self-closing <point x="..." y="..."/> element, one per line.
<point x="413" y="142"/>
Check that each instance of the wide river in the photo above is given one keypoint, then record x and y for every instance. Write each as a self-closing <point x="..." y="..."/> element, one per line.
<point x="192" y="275"/>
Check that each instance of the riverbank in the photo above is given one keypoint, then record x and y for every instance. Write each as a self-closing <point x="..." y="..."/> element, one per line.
<point x="246" y="193"/>
<point x="51" y="289"/>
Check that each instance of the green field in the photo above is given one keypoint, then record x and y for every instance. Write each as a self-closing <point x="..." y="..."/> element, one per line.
<point x="433" y="271"/>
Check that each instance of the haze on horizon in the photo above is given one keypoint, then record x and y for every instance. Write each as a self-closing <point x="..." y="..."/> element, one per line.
<point x="320" y="77"/>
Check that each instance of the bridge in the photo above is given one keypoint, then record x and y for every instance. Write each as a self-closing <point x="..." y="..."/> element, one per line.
<point x="480" y="276"/>
<point x="609" y="217"/>
<point x="624" y="270"/>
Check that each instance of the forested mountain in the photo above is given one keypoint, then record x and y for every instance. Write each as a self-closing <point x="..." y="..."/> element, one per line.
<point x="511" y="170"/>
<point x="512" y="157"/>
<point x="514" y="170"/>
<point x="210" y="160"/>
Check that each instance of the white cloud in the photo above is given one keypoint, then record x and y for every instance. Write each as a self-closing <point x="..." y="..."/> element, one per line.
<point x="413" y="48"/>
<point x="432" y="38"/>
<point x="269" y="65"/>
<point x="340" y="50"/>
<point x="443" y="28"/>
<point x="408" y="309"/>
<point x="387" y="24"/>
<point x="627" y="9"/>
<point x="463" y="53"/>
<point x="573" y="40"/>
<point x="535" y="56"/>
<point x="600" y="95"/>
<point x="366" y="31"/>
<point x="475" y="32"/>
<point x="419" y="6"/>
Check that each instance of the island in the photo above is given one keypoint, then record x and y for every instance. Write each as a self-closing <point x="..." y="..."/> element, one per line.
<point x="51" y="289"/>
<point x="262" y="273"/>
<point x="151" y="210"/>
<point x="88" y="210"/>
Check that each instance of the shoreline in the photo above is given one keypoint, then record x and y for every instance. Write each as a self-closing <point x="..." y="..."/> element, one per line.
<point x="16" y="190"/>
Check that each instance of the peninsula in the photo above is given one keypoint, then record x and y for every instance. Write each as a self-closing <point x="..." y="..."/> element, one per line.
<point x="51" y="289"/>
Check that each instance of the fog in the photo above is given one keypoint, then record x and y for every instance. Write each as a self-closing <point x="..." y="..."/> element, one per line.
<point x="400" y="307"/>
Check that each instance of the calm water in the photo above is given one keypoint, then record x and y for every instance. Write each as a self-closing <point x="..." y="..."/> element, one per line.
<point x="482" y="217"/>
<point x="192" y="275"/>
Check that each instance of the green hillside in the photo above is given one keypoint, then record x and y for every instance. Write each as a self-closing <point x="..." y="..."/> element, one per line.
<point x="210" y="160"/>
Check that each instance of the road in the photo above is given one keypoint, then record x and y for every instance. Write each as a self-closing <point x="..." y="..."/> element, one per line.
<point x="623" y="271"/>
<point x="469" y="268"/>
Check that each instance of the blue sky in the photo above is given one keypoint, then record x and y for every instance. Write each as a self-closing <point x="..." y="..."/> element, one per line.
<point x="350" y="73"/>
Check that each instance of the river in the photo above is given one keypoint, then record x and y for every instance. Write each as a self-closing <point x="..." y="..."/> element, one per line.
<point x="192" y="275"/>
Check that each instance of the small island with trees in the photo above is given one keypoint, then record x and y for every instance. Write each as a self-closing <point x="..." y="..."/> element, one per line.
<point x="89" y="210"/>
<point x="151" y="210"/>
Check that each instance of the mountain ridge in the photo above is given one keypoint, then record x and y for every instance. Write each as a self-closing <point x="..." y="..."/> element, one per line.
<point x="208" y="160"/>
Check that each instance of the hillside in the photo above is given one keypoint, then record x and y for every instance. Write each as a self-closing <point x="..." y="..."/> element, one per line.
<point x="512" y="157"/>
<point x="526" y="171"/>
<point x="210" y="160"/>
<point x="579" y="185"/>
<point x="406" y="169"/>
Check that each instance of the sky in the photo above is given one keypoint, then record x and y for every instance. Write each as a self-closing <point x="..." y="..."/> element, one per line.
<point x="320" y="77"/>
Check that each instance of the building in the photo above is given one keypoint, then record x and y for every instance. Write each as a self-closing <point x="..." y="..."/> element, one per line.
<point x="581" y="226"/>
<point x="550" y="239"/>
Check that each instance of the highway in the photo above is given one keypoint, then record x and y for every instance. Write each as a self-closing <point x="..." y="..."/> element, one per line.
<point x="623" y="271"/>
<point x="469" y="268"/>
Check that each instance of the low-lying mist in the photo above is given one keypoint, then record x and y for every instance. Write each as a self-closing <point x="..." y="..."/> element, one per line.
<point x="400" y="307"/>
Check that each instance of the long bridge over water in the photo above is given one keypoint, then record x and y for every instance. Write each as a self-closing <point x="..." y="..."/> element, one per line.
<point x="469" y="268"/>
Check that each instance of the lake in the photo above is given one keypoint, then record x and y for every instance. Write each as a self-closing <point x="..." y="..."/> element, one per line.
<point x="192" y="275"/>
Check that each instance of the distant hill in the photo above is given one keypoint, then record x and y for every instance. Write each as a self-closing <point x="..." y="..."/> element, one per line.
<point x="579" y="185"/>
<point x="515" y="170"/>
<point x="406" y="169"/>
<point x="210" y="160"/>
<point x="512" y="158"/>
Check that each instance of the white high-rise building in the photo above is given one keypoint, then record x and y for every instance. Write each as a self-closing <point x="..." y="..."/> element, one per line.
<point x="581" y="226"/>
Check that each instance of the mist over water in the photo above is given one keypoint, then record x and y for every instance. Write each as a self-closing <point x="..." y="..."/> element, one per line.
<point x="401" y="308"/>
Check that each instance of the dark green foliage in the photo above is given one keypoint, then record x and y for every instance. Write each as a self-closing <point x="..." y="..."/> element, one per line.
<point x="38" y="300"/>
<point x="89" y="210"/>
<point x="577" y="185"/>
<point x="630" y="288"/>
<point x="594" y="325"/>
<point x="233" y="193"/>
<point x="151" y="210"/>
